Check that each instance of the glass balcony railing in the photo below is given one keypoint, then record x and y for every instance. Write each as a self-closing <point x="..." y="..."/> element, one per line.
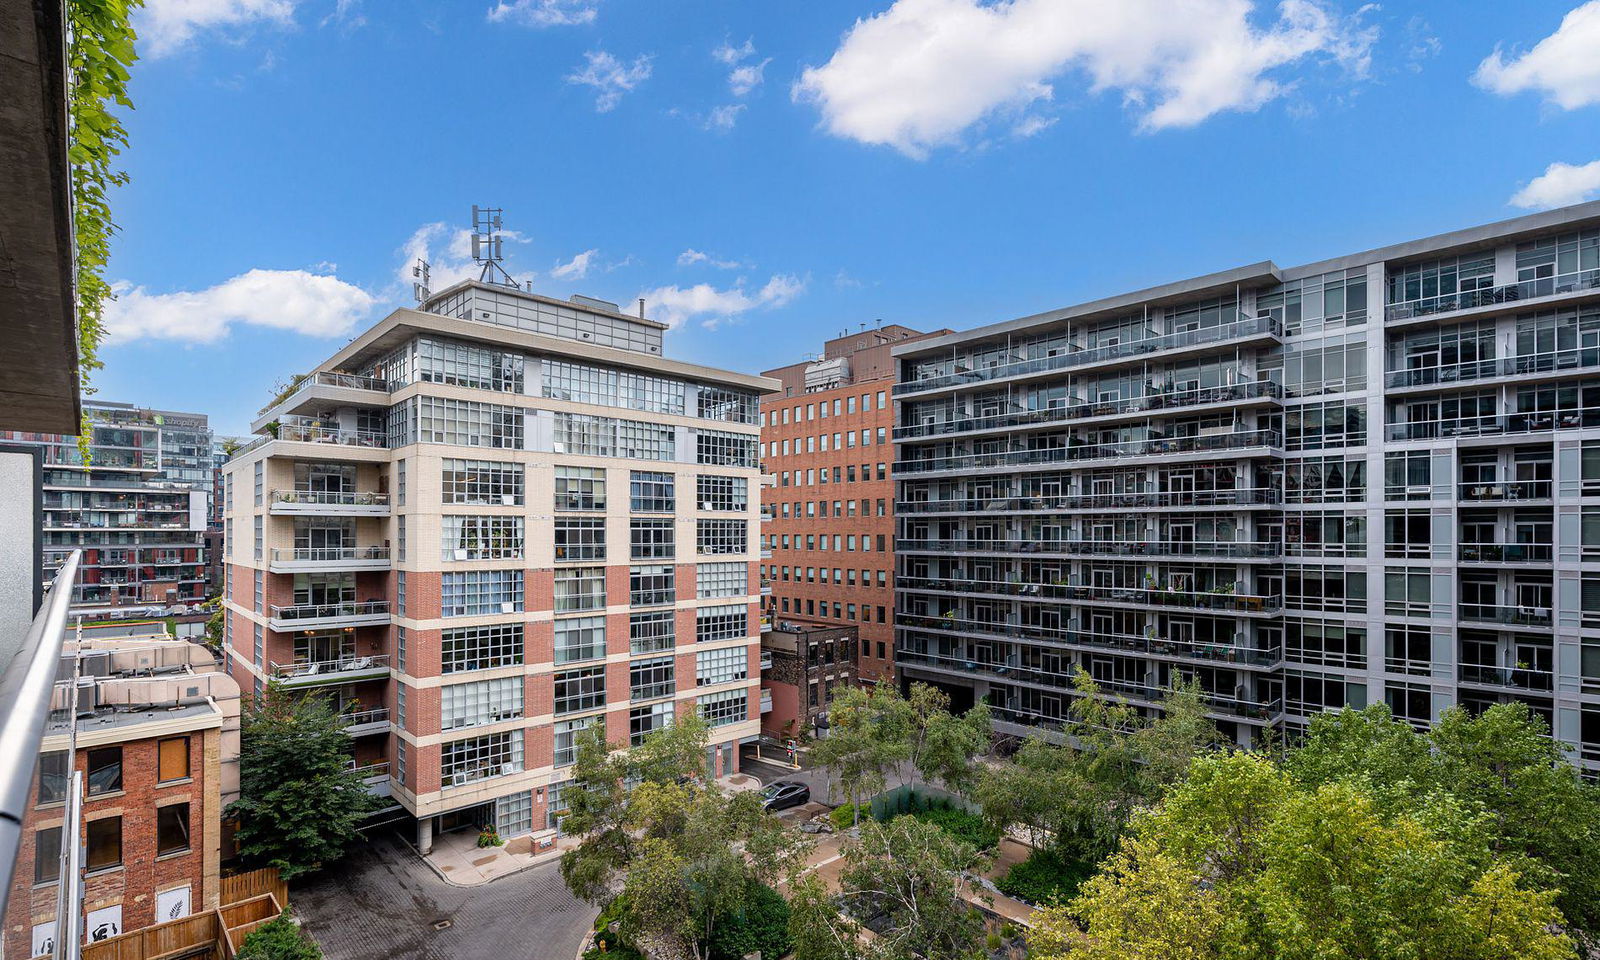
<point x="1510" y="616"/>
<point x="1509" y="293"/>
<point x="1095" y="501"/>
<point x="331" y="611"/>
<point x="329" y="555"/>
<point x="1238" y="329"/>
<point x="1155" y="446"/>
<point x="318" y="669"/>
<point x="1100" y="548"/>
<point x="1511" y="490"/>
<point x="1516" y="678"/>
<point x="341" y="498"/>
<point x="314" y="430"/>
<point x="1076" y="409"/>
<point x="1505" y="552"/>
<point x="1493" y="425"/>
<point x="1220" y="600"/>
<point x="1559" y="360"/>
<point x="1127" y="643"/>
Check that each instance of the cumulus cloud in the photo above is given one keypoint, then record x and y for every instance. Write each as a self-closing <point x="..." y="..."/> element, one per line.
<point x="691" y="256"/>
<point x="744" y="77"/>
<point x="724" y="117"/>
<point x="923" y="72"/>
<point x="167" y="26"/>
<point x="1561" y="184"/>
<point x="1564" y="66"/>
<point x="545" y="13"/>
<point x="730" y="54"/>
<point x="610" y="77"/>
<point x="575" y="269"/>
<point x="712" y="307"/>
<point x="297" y="301"/>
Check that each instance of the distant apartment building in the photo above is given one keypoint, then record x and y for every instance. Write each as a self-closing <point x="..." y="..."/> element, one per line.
<point x="1374" y="478"/>
<point x="490" y="524"/>
<point x="828" y="517"/>
<point x="138" y="509"/>
<point x="222" y="449"/>
<point x="154" y="730"/>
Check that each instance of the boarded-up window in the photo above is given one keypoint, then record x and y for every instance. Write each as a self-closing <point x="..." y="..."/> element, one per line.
<point x="174" y="759"/>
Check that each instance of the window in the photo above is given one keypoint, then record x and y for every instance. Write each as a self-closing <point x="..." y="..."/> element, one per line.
<point x="54" y="775"/>
<point x="458" y="422"/>
<point x="400" y="648"/>
<point x="728" y="706"/>
<point x="47" y="855"/>
<point x="1407" y="533"/>
<point x="580" y="488"/>
<point x="1408" y="650"/>
<point x="1325" y="644"/>
<point x="652" y="492"/>
<point x="721" y="666"/>
<point x="463" y="705"/>
<point x="172" y="829"/>
<point x="482" y="483"/>
<point x="652" y="585"/>
<point x="470" y="593"/>
<point x="479" y="758"/>
<point x="643" y="721"/>
<point x="582" y="383"/>
<point x="651" y="539"/>
<point x="580" y="539"/>
<point x="172" y="759"/>
<point x="105" y="771"/>
<point x="580" y="638"/>
<point x="608" y="437"/>
<point x="722" y="403"/>
<point x="578" y="690"/>
<point x="260" y="484"/>
<point x="1408" y="593"/>
<point x="721" y="623"/>
<point x="723" y="579"/>
<point x="104" y="847"/>
<point x="715" y="537"/>
<point x="722" y="493"/>
<point x="258" y="542"/>
<point x="580" y="588"/>
<point x="650" y="679"/>
<point x="717" y="448"/>
<point x="400" y="592"/>
<point x="480" y="538"/>
<point x="652" y="632"/>
<point x="566" y="738"/>
<point x="1411" y="702"/>
<point x="464" y="365"/>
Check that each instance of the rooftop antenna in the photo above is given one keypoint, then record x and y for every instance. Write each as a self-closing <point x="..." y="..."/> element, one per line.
<point x="419" y="281"/>
<point x="488" y="247"/>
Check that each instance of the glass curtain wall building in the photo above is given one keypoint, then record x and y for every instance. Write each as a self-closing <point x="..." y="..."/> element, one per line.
<point x="1370" y="479"/>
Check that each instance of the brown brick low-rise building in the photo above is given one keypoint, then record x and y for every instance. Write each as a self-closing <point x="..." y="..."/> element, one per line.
<point x="808" y="663"/>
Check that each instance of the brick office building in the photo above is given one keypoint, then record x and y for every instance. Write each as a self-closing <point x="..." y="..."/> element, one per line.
<point x="829" y="515"/>
<point x="157" y="742"/>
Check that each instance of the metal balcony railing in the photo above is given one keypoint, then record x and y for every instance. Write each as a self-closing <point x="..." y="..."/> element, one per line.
<point x="1156" y="446"/>
<point x="1193" y="599"/>
<point x="1579" y="358"/>
<point x="1511" y="490"/>
<point x="1491" y="425"/>
<point x="1240" y="328"/>
<point x="1513" y="616"/>
<point x="1130" y="643"/>
<point x="342" y="498"/>
<point x="1095" y="501"/>
<point x="329" y="554"/>
<point x="1100" y="548"/>
<point x="1078" y="409"/>
<point x="304" y="669"/>
<point x="361" y="718"/>
<point x="1505" y="552"/>
<point x="353" y="381"/>
<point x="1516" y="678"/>
<point x="1509" y="293"/>
<point x="326" y="611"/>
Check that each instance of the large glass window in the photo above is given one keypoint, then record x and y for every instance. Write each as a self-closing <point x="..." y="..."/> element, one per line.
<point x="645" y="720"/>
<point x="481" y="483"/>
<point x="105" y="771"/>
<point x="717" y="448"/>
<point x="469" y="593"/>
<point x="567" y="733"/>
<point x="715" y="537"/>
<point x="172" y="829"/>
<point x="728" y="706"/>
<point x="580" y="638"/>
<point x="651" y="539"/>
<point x="580" y="488"/>
<point x="580" y="588"/>
<point x="652" y="585"/>
<point x="480" y="648"/>
<point x="583" y="383"/>
<point x="723" y="579"/>
<point x="474" y="704"/>
<point x="652" y="632"/>
<point x="468" y="424"/>
<point x="725" y="622"/>
<point x="727" y="404"/>
<point x="649" y="679"/>
<point x="652" y="492"/>
<point x="721" y="666"/>
<point x="464" y="365"/>
<point x="723" y="493"/>
<point x="479" y="758"/>
<point x="579" y="690"/>
<point x="580" y="538"/>
<point x="104" y="847"/>
<point x="609" y="437"/>
<point x="480" y="538"/>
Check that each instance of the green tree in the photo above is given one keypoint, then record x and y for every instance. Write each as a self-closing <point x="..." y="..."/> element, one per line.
<point x="817" y="928"/>
<point x="1240" y="860"/>
<point x="941" y="745"/>
<point x="869" y="736"/>
<point x="300" y="805"/>
<point x="278" y="939"/>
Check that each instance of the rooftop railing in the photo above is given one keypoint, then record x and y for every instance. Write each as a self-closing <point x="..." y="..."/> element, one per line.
<point x="1509" y="293"/>
<point x="1237" y="329"/>
<point x="1155" y="446"/>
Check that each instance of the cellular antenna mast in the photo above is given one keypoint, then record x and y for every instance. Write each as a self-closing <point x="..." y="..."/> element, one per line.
<point x="488" y="248"/>
<point x="419" y="281"/>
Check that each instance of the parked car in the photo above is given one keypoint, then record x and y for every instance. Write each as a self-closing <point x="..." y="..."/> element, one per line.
<point x="782" y="794"/>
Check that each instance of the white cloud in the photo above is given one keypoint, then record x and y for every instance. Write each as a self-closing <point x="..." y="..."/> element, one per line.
<point x="691" y="256"/>
<point x="610" y="77"/>
<point x="675" y="305"/>
<point x="730" y="54"/>
<point x="1565" y="66"/>
<point x="575" y="269"/>
<point x="747" y="77"/>
<point x="545" y="13"/>
<point x="166" y="26"/>
<point x="920" y="74"/>
<point x="724" y="117"/>
<point x="294" y="300"/>
<point x="1561" y="184"/>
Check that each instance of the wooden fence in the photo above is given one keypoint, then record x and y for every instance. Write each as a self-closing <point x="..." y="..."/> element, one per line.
<point x="243" y="886"/>
<point x="248" y="901"/>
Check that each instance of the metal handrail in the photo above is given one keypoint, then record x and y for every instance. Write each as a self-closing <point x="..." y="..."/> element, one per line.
<point x="26" y="689"/>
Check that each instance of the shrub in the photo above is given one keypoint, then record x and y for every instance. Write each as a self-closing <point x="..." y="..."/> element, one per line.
<point x="278" y="939"/>
<point x="843" y="818"/>
<point x="1045" y="877"/>
<point x="969" y="828"/>
<point x="763" y="926"/>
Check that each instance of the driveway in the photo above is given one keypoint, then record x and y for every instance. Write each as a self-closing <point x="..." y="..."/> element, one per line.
<point x="383" y="903"/>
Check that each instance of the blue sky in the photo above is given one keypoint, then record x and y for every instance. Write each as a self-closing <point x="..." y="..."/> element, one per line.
<point x="769" y="173"/>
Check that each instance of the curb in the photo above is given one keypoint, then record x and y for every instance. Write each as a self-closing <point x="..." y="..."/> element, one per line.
<point x="547" y="859"/>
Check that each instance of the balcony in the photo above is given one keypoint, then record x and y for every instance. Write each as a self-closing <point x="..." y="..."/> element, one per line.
<point x="375" y="776"/>
<point x="324" y="390"/>
<point x="1191" y="499"/>
<point x="367" y="722"/>
<point x="766" y="660"/>
<point x="1511" y="293"/>
<point x="1469" y="427"/>
<point x="1515" y="491"/>
<point x="342" y="670"/>
<point x="766" y="587"/>
<point x="1243" y="550"/>
<point x="314" y="559"/>
<point x="1221" y="653"/>
<point x="1205" y="339"/>
<point x="329" y="503"/>
<point x="1076" y="409"/>
<point x="1223" y="602"/>
<point x="1233" y="441"/>
<point x="766" y="701"/>
<point x="766" y="623"/>
<point x="1508" y="553"/>
<point x="327" y="436"/>
<point x="306" y="616"/>
<point x="1559" y="362"/>
<point x="1508" y="678"/>
<point x="1504" y="616"/>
